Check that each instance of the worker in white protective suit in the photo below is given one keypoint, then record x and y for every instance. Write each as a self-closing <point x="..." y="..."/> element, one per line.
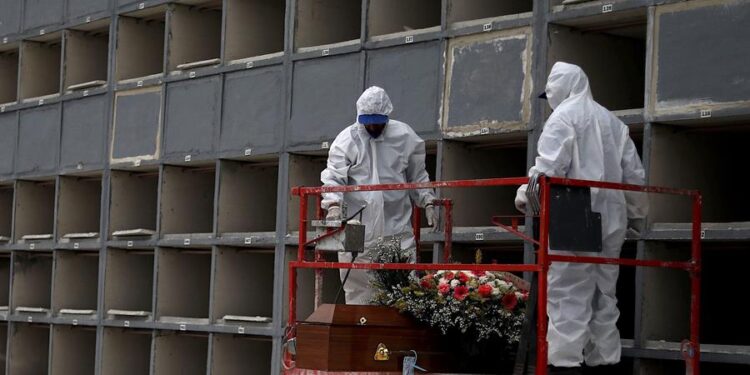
<point x="376" y="150"/>
<point x="583" y="140"/>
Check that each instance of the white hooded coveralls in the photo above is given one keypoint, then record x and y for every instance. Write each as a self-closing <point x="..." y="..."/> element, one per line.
<point x="583" y="140"/>
<point x="355" y="158"/>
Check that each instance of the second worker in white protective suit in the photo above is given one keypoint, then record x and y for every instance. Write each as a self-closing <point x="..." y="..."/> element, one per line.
<point x="583" y="140"/>
<point x="376" y="150"/>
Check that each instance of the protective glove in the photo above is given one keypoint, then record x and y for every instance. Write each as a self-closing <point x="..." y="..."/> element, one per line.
<point x="432" y="216"/>
<point x="637" y="225"/>
<point x="521" y="199"/>
<point x="334" y="213"/>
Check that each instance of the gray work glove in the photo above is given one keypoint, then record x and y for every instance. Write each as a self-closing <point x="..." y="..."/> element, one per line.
<point x="334" y="213"/>
<point x="637" y="226"/>
<point x="432" y="216"/>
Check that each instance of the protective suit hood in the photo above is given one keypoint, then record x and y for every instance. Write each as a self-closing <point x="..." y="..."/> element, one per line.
<point x="374" y="101"/>
<point x="566" y="81"/>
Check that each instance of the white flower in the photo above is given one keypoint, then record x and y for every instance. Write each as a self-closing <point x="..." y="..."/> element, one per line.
<point x="482" y="279"/>
<point x="503" y="284"/>
<point x="495" y="291"/>
<point x="454" y="283"/>
<point x="442" y="281"/>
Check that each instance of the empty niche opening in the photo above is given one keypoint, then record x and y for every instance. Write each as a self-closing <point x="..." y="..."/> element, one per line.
<point x="9" y="75"/>
<point x="32" y="282"/>
<point x="396" y="16"/>
<point x="247" y="197"/>
<point x="126" y="351"/>
<point x="73" y="350"/>
<point x="76" y="278"/>
<point x="324" y="22"/>
<point x="254" y="28"/>
<point x="305" y="298"/>
<point x="240" y="295"/>
<point x="696" y="158"/>
<point x="86" y="56"/>
<point x="40" y="67"/>
<point x="79" y="207"/>
<point x="237" y="355"/>
<point x="624" y="39"/>
<point x="3" y="346"/>
<point x="29" y="349"/>
<point x="304" y="170"/>
<point x="194" y="35"/>
<point x="133" y="202"/>
<point x="129" y="284"/>
<point x="176" y="353"/>
<point x="140" y="45"/>
<point x="183" y="297"/>
<point x="6" y="212"/>
<point x="4" y="284"/>
<point x="467" y="10"/>
<point x="187" y="200"/>
<point x="474" y="207"/>
<point x="35" y="208"/>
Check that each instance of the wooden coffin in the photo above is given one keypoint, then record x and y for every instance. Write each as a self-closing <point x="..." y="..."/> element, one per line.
<point x="346" y="338"/>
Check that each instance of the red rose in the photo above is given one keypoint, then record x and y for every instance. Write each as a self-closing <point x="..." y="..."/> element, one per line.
<point x="444" y="289"/>
<point x="460" y="292"/>
<point x="485" y="291"/>
<point x="510" y="301"/>
<point x="464" y="278"/>
<point x="426" y="282"/>
<point x="449" y="275"/>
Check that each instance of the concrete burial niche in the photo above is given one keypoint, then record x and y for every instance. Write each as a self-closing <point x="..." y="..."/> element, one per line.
<point x="236" y="355"/>
<point x="6" y="212"/>
<point x="468" y="10"/>
<point x="5" y="260"/>
<point x="137" y="120"/>
<point x="40" y="67"/>
<point x="319" y="118"/>
<point x="180" y="354"/>
<point x="254" y="28"/>
<point x="39" y="13"/>
<point x="133" y="203"/>
<point x="3" y="345"/>
<point x="73" y="350"/>
<point x="8" y="139"/>
<point x="194" y="37"/>
<point x="241" y="285"/>
<point x="247" y="197"/>
<point x="180" y="298"/>
<point x="700" y="40"/>
<point x="125" y="351"/>
<point x="253" y="111"/>
<point x="84" y="132"/>
<point x="397" y="16"/>
<point x="324" y="22"/>
<point x="488" y="84"/>
<point x="29" y="348"/>
<point x="193" y="115"/>
<point x="475" y="207"/>
<point x="306" y="286"/>
<point x="140" y="45"/>
<point x="696" y="158"/>
<point x="10" y="16"/>
<point x="76" y="278"/>
<point x="129" y="284"/>
<point x="411" y="76"/>
<point x="304" y="170"/>
<point x="32" y="282"/>
<point x="86" y="56"/>
<point x="80" y="8"/>
<point x="38" y="140"/>
<point x="79" y="207"/>
<point x="9" y="75"/>
<point x="34" y="210"/>
<point x="187" y="200"/>
<point x="624" y="38"/>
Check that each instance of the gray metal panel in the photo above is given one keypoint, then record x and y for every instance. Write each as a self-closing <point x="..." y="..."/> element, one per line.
<point x="84" y="128"/>
<point x="38" y="139"/>
<point x="42" y="13"/>
<point x="192" y="116"/>
<point x="410" y="74"/>
<point x="704" y="44"/>
<point x="77" y="8"/>
<point x="324" y="95"/>
<point x="487" y="82"/>
<point x="136" y="124"/>
<point x="253" y="113"/>
<point x="10" y="16"/>
<point x="8" y="138"/>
